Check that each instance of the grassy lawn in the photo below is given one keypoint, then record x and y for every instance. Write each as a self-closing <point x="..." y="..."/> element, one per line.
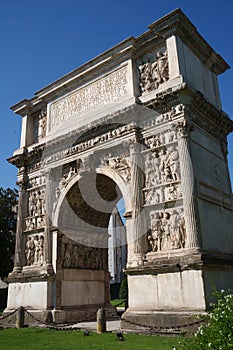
<point x="35" y="338"/>
<point x="118" y="302"/>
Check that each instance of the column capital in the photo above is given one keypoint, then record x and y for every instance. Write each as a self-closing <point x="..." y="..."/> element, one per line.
<point x="22" y="182"/>
<point x="183" y="127"/>
<point x="48" y="173"/>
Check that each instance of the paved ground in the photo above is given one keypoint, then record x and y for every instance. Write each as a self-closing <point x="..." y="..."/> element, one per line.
<point x="112" y="326"/>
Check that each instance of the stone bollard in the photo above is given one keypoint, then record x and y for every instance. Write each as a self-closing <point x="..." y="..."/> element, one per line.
<point x="101" y="321"/>
<point x="20" y="317"/>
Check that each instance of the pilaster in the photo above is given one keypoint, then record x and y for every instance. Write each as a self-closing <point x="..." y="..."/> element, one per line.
<point x="47" y="229"/>
<point x="137" y="203"/>
<point x="187" y="183"/>
<point x="22" y="208"/>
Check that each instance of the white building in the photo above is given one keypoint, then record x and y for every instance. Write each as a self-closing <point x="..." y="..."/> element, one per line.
<point x="117" y="248"/>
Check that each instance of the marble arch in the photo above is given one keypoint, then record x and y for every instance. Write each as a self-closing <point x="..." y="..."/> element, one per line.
<point x="123" y="186"/>
<point x="146" y="116"/>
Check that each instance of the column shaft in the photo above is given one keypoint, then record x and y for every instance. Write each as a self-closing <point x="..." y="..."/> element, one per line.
<point x="19" y="244"/>
<point x="137" y="205"/>
<point x="187" y="184"/>
<point x="47" y="231"/>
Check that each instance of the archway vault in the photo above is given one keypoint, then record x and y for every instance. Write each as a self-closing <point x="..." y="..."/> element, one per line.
<point x="98" y="191"/>
<point x="86" y="209"/>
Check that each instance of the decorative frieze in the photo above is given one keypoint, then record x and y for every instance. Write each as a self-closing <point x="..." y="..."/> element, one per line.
<point x="53" y="156"/>
<point x="106" y="90"/>
<point x="36" y="182"/>
<point x="75" y="255"/>
<point x="162" y="194"/>
<point x="36" y="222"/>
<point x="162" y="138"/>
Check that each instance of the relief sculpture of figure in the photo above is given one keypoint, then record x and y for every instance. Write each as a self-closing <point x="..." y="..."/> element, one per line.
<point x="182" y="230"/>
<point x="171" y="192"/>
<point x="165" y="166"/>
<point x="39" y="203"/>
<point x="155" y="233"/>
<point x="160" y="69"/>
<point x="37" y="250"/>
<point x="41" y="250"/>
<point x="175" y="230"/>
<point x="66" y="178"/>
<point x="155" y="73"/>
<point x="167" y="231"/>
<point x="145" y="76"/>
<point x="149" y="171"/>
<point x="67" y="259"/>
<point x="169" y="164"/>
<point x="32" y="202"/>
<point x="29" y="252"/>
<point x="120" y="164"/>
<point x="42" y="125"/>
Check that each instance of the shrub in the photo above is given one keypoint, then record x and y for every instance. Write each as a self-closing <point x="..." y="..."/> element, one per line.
<point x="217" y="333"/>
<point x="123" y="293"/>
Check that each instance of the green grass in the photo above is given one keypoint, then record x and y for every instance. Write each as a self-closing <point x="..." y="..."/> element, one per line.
<point x="118" y="302"/>
<point x="37" y="339"/>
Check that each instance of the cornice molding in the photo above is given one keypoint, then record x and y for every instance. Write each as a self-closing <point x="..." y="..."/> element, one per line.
<point x="208" y="112"/>
<point x="175" y="23"/>
<point x="195" y="105"/>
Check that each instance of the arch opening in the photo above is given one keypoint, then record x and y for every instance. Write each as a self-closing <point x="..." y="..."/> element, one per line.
<point x="83" y="242"/>
<point x="86" y="209"/>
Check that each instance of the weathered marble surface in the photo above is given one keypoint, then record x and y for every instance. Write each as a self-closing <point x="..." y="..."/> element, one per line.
<point x="143" y="121"/>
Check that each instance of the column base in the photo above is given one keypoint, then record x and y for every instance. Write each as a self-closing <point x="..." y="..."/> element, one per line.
<point x="136" y="261"/>
<point x="16" y="270"/>
<point x="160" y="322"/>
<point x="31" y="317"/>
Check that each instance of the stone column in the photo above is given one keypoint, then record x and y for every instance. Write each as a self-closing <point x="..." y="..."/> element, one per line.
<point x="22" y="211"/>
<point x="137" y="203"/>
<point x="187" y="184"/>
<point x="47" y="231"/>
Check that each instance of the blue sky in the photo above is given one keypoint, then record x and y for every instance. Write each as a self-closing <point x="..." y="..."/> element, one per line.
<point x="43" y="40"/>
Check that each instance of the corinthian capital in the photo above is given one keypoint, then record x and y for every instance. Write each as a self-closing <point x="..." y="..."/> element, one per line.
<point x="22" y="182"/>
<point x="183" y="128"/>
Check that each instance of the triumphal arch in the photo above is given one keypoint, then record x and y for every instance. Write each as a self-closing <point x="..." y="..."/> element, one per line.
<point x="142" y="121"/>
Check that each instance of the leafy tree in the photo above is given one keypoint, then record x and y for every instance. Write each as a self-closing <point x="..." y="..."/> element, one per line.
<point x="8" y="201"/>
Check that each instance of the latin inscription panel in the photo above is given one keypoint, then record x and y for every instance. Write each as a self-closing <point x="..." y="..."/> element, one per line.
<point x="103" y="91"/>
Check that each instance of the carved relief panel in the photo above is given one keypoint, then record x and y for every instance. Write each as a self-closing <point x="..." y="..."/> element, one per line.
<point x="167" y="230"/>
<point x="162" y="193"/>
<point x="74" y="255"/>
<point x="34" y="250"/>
<point x="153" y="70"/>
<point x="118" y="163"/>
<point x="36" y="204"/>
<point x="162" y="168"/>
